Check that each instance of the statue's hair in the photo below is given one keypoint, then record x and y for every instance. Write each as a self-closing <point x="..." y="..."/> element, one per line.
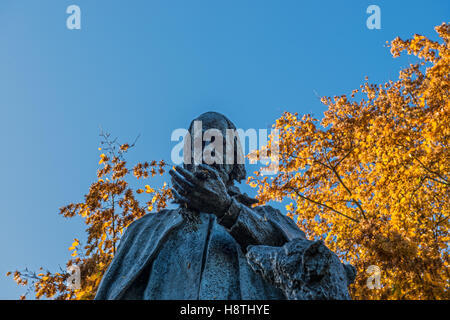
<point x="236" y="171"/>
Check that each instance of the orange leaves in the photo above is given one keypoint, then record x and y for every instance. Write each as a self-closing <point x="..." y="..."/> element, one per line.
<point x="144" y="170"/>
<point x="103" y="158"/>
<point x="124" y="147"/>
<point x="159" y="198"/>
<point x="373" y="178"/>
<point x="74" y="245"/>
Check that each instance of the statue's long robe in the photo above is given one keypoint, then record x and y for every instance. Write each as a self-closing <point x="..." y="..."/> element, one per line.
<point x="160" y="257"/>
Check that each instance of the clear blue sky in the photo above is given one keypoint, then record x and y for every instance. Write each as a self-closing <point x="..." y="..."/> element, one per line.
<point x="149" y="67"/>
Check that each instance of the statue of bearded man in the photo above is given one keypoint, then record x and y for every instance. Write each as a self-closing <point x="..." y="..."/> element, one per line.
<point x="215" y="245"/>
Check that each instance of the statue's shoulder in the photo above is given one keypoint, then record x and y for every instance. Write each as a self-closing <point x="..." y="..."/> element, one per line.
<point x="270" y="211"/>
<point x="148" y="226"/>
<point x="286" y="223"/>
<point x="152" y="218"/>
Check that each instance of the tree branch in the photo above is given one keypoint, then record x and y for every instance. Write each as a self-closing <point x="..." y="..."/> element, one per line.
<point x="322" y="204"/>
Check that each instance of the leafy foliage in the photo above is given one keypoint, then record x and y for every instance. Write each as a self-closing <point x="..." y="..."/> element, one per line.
<point x="108" y="208"/>
<point x="372" y="178"/>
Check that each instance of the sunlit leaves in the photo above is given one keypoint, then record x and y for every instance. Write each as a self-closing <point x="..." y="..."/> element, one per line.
<point x="371" y="178"/>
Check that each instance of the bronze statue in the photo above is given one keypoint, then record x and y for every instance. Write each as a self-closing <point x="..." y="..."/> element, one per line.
<point x="215" y="245"/>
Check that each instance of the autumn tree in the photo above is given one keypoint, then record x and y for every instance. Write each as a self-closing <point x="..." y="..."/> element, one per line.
<point x="108" y="208"/>
<point x="372" y="178"/>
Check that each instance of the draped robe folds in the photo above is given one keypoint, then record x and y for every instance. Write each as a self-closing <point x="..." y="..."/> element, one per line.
<point x="159" y="257"/>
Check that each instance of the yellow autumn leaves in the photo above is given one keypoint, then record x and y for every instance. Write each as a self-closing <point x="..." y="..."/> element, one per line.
<point x="148" y="189"/>
<point x="372" y="179"/>
<point x="73" y="248"/>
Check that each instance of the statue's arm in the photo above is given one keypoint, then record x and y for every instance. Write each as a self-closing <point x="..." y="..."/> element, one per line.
<point x="205" y="191"/>
<point x="278" y="250"/>
<point x="258" y="226"/>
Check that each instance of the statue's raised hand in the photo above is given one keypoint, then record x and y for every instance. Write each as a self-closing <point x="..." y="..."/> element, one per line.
<point x="203" y="190"/>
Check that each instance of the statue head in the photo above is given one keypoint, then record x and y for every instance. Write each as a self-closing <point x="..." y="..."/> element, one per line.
<point x="215" y="142"/>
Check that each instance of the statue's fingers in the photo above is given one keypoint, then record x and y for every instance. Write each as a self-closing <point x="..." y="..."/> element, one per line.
<point x="202" y="175"/>
<point x="196" y="192"/>
<point x="209" y="169"/>
<point x="186" y="185"/>
<point x="178" y="198"/>
<point x="178" y="187"/>
<point x="187" y="175"/>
